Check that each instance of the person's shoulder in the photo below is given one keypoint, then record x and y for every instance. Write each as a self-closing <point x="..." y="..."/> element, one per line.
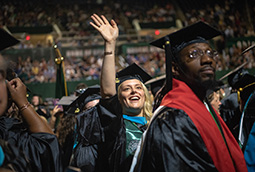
<point x="167" y="113"/>
<point x="167" y="116"/>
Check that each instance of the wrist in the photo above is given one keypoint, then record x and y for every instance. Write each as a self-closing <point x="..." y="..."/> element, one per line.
<point x="24" y="107"/>
<point x="110" y="46"/>
<point x="106" y="53"/>
<point x="20" y="102"/>
<point x="111" y="42"/>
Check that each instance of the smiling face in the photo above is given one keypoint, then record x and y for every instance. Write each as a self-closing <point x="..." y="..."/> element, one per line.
<point x="132" y="97"/>
<point x="195" y="71"/>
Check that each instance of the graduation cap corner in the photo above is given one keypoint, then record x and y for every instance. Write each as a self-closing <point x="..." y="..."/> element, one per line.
<point x="193" y="31"/>
<point x="7" y="40"/>
<point x="91" y="93"/>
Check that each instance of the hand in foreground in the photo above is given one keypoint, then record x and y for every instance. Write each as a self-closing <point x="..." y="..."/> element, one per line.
<point x="109" y="31"/>
<point x="18" y="91"/>
<point x="56" y="110"/>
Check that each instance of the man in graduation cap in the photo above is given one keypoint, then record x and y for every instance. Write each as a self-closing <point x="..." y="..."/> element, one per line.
<point x="186" y="134"/>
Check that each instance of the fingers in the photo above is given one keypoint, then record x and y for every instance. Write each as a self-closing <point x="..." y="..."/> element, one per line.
<point x="16" y="85"/>
<point x="98" y="21"/>
<point x="104" y="19"/>
<point x="114" y="24"/>
<point x="8" y="85"/>
<point x="95" y="26"/>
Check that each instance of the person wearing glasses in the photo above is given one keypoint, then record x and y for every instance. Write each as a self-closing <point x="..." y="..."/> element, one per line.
<point x="186" y="133"/>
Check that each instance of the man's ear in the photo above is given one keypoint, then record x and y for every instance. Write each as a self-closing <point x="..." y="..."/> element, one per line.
<point x="175" y="69"/>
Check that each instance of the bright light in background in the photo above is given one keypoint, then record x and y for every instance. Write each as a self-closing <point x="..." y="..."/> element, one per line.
<point x="157" y="32"/>
<point x="28" y="37"/>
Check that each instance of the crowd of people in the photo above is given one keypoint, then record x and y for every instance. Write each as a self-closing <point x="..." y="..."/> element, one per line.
<point x="89" y="67"/>
<point x="121" y="126"/>
<point x="188" y="124"/>
<point x="75" y="19"/>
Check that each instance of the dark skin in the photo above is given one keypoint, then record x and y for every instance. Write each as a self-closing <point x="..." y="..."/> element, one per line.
<point x="197" y="73"/>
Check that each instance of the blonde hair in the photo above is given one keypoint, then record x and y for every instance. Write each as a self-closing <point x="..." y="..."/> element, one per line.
<point x="147" y="108"/>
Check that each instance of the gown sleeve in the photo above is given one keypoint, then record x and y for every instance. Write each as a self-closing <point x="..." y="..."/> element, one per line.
<point x="94" y="124"/>
<point x="172" y="143"/>
<point x="14" y="158"/>
<point x="98" y="130"/>
<point x="41" y="149"/>
<point x="89" y="135"/>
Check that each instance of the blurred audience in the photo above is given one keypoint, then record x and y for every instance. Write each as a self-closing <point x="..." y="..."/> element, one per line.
<point x="74" y="19"/>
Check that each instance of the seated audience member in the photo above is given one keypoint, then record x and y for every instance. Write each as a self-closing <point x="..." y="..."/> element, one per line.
<point x="38" y="104"/>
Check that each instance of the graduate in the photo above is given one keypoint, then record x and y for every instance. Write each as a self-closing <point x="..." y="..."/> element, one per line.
<point x="77" y="122"/>
<point x="246" y="137"/>
<point x="37" y="147"/>
<point x="230" y="107"/>
<point x="125" y="108"/>
<point x="185" y="133"/>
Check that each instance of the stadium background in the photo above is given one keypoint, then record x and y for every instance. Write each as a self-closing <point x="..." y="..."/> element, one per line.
<point x="43" y="23"/>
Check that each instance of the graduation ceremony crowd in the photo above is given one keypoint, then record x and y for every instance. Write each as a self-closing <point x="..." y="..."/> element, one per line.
<point x="183" y="120"/>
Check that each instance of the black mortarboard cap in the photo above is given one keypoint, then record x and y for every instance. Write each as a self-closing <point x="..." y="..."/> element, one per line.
<point x="156" y="84"/>
<point x="238" y="70"/>
<point x="65" y="101"/>
<point x="7" y="40"/>
<point x="245" y="86"/>
<point x="234" y="77"/>
<point x="189" y="33"/>
<point x="245" y="80"/>
<point x="91" y="93"/>
<point x="133" y="71"/>
<point x="176" y="41"/>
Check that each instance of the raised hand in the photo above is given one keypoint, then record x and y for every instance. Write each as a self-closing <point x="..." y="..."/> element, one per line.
<point x="17" y="91"/>
<point x="109" y="31"/>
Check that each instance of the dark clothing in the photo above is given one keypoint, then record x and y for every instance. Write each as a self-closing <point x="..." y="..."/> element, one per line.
<point x="230" y="113"/>
<point x="249" y="153"/>
<point x="185" y="136"/>
<point x="89" y="135"/>
<point x="41" y="149"/>
<point x="14" y="158"/>
<point x="102" y="138"/>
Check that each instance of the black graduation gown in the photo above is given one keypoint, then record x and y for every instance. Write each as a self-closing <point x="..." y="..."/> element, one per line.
<point x="230" y="113"/>
<point x="89" y="135"/>
<point x="14" y="158"/>
<point x="159" y="149"/>
<point x="184" y="136"/>
<point x="102" y="138"/>
<point x="41" y="149"/>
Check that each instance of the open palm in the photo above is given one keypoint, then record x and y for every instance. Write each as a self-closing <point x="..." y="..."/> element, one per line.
<point x="109" y="31"/>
